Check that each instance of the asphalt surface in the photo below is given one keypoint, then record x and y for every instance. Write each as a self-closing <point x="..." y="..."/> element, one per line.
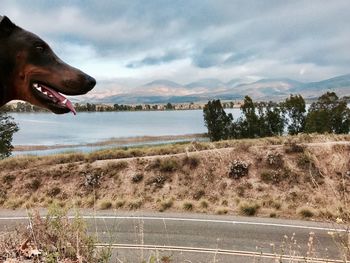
<point x="203" y="238"/>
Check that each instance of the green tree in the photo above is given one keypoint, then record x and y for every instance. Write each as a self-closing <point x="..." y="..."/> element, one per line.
<point x="295" y="108"/>
<point x="138" y="107"/>
<point x="7" y="128"/>
<point x="217" y="121"/>
<point x="270" y="119"/>
<point x="249" y="123"/>
<point x="168" y="106"/>
<point x="340" y="119"/>
<point x="90" y="107"/>
<point x="328" y="114"/>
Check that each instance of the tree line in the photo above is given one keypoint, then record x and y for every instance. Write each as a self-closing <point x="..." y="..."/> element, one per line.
<point x="89" y="107"/>
<point x="329" y="114"/>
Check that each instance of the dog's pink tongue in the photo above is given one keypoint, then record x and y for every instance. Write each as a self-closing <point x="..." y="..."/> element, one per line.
<point x="63" y="100"/>
<point x="70" y="106"/>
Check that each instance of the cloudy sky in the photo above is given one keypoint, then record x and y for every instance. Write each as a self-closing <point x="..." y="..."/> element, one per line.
<point x="124" y="43"/>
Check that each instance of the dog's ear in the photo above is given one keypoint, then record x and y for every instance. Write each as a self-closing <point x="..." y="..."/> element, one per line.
<point x="6" y="26"/>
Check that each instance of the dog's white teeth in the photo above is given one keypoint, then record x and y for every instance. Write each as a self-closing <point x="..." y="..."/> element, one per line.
<point x="45" y="93"/>
<point x="36" y="85"/>
<point x="65" y="101"/>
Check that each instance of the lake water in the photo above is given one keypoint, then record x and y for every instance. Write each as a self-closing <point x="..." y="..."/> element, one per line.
<point x="49" y="129"/>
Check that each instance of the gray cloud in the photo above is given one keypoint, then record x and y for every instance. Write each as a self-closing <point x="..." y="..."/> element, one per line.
<point x="211" y="34"/>
<point x="169" y="56"/>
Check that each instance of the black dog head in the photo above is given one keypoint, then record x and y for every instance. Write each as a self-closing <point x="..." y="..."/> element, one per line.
<point x="30" y="71"/>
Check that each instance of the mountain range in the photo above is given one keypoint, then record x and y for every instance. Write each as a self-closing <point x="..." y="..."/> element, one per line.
<point x="164" y="91"/>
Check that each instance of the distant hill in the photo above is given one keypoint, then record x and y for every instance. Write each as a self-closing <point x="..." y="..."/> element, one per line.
<point x="340" y="84"/>
<point x="163" y="91"/>
<point x="163" y="82"/>
<point x="207" y="83"/>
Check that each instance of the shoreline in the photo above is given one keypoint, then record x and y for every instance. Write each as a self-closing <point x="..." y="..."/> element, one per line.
<point x="111" y="142"/>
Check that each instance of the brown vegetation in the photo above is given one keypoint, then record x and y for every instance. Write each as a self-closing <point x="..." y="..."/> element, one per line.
<point x="53" y="238"/>
<point x="235" y="177"/>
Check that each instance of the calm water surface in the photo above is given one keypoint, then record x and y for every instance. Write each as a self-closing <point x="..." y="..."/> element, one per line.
<point x="49" y="129"/>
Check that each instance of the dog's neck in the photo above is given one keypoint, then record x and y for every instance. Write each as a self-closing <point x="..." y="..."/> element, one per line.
<point x="3" y="95"/>
<point x="5" y="92"/>
<point x="6" y="67"/>
<point x="3" y="99"/>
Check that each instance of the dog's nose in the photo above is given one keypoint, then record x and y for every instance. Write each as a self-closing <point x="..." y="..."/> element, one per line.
<point x="90" y="82"/>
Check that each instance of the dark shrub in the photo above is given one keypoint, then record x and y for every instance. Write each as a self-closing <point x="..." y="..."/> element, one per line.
<point x="275" y="160"/>
<point x="54" y="191"/>
<point x="34" y="184"/>
<point x="137" y="178"/>
<point x="249" y="209"/>
<point x="8" y="179"/>
<point x="166" y="205"/>
<point x="3" y="196"/>
<point x="168" y="165"/>
<point x="164" y="165"/>
<point x="304" y="160"/>
<point x="188" y="206"/>
<point x="135" y="204"/>
<point x="305" y="212"/>
<point x="238" y="169"/>
<point x="270" y="176"/>
<point x="192" y="162"/>
<point x="294" y="148"/>
<point x="157" y="181"/>
<point x="93" y="180"/>
<point x="198" y="194"/>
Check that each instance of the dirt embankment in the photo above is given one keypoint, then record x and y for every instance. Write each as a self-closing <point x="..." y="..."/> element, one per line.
<point x="289" y="177"/>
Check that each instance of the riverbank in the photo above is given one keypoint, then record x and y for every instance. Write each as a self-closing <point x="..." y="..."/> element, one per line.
<point x="135" y="128"/>
<point x="110" y="143"/>
<point x="303" y="176"/>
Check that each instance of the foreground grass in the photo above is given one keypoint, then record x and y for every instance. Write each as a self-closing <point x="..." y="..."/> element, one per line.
<point x="56" y="238"/>
<point x="53" y="238"/>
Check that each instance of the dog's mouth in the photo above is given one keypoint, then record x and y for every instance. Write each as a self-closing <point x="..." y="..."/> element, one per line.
<point x="53" y="99"/>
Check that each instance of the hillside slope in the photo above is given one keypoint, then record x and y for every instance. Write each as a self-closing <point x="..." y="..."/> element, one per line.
<point x="305" y="176"/>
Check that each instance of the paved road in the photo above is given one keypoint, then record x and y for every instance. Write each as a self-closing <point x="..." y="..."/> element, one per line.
<point x="223" y="238"/>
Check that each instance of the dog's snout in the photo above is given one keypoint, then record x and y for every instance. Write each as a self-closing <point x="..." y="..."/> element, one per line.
<point x="91" y="82"/>
<point x="81" y="84"/>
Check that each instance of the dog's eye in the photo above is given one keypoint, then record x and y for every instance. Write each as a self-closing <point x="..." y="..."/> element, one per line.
<point x="40" y="48"/>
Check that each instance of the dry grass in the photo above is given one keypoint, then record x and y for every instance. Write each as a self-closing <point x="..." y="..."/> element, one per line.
<point x="105" y="204"/>
<point x="204" y="204"/>
<point x="69" y="239"/>
<point x="200" y="178"/>
<point x="221" y="211"/>
<point x="285" y="173"/>
<point x="141" y="151"/>
<point x="188" y="206"/>
<point x="249" y="208"/>
<point x="306" y="212"/>
<point x="135" y="204"/>
<point x="166" y="204"/>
